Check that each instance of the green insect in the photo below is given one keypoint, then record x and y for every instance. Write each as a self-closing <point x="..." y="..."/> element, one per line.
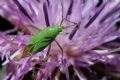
<point x="42" y="39"/>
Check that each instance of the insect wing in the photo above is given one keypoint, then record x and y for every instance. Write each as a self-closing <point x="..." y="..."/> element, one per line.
<point x="27" y="51"/>
<point x="40" y="45"/>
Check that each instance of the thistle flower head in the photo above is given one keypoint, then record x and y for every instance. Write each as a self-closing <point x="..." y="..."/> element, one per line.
<point x="93" y="37"/>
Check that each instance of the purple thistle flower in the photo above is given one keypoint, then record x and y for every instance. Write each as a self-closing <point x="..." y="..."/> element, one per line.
<point x="95" y="38"/>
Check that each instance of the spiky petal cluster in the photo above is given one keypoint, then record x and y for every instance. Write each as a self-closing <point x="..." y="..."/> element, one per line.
<point x="83" y="45"/>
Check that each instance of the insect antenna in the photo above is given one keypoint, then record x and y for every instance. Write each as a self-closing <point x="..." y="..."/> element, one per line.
<point x="74" y="23"/>
<point x="64" y="18"/>
<point x="76" y="27"/>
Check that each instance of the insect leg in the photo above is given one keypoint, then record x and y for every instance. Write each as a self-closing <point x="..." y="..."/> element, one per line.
<point x="59" y="46"/>
<point x="47" y="55"/>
